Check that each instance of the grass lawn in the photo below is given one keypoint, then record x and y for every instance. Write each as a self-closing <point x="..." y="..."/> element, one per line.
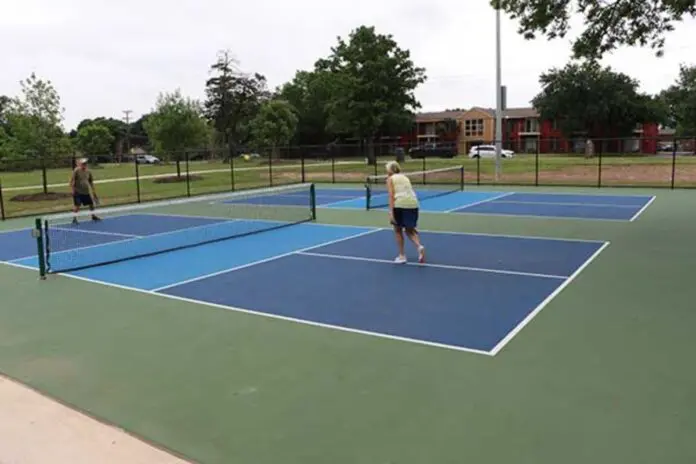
<point x="116" y="184"/>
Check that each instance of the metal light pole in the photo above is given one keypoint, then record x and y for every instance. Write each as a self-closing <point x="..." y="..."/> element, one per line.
<point x="498" y="97"/>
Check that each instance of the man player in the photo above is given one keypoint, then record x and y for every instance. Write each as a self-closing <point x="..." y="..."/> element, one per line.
<point x="82" y="185"/>
<point x="403" y="210"/>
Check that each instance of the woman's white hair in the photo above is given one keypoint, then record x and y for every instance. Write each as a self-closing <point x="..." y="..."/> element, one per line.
<point x="393" y="167"/>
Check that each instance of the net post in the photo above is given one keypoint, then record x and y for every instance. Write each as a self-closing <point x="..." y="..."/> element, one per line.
<point x="313" y="201"/>
<point x="461" y="178"/>
<point x="38" y="235"/>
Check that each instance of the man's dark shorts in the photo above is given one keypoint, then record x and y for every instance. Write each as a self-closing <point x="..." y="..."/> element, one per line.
<point x="81" y="199"/>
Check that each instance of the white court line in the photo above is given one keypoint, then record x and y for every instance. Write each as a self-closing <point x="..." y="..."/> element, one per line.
<point x="593" y="205"/>
<point x="261" y="261"/>
<point x="486" y="200"/>
<point x="501" y="344"/>
<point x="440" y="266"/>
<point x="518" y="216"/>
<point x="97" y="232"/>
<point x="640" y="211"/>
<point x="270" y="315"/>
<point x="341" y="201"/>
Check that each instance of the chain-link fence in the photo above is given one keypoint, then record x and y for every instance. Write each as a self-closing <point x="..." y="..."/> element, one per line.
<point x="40" y="185"/>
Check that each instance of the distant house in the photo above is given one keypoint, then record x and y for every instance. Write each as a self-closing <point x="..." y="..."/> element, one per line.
<point x="524" y="132"/>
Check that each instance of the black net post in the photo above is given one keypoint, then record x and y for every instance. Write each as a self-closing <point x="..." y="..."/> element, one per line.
<point x="137" y="177"/>
<point x="188" y="174"/>
<point x="313" y="201"/>
<point x="2" y="204"/>
<point x="674" y="163"/>
<point x="38" y="235"/>
<point x="461" y="178"/>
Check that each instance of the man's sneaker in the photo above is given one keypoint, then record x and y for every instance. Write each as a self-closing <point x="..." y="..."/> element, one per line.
<point x="74" y="220"/>
<point x="400" y="259"/>
<point x="96" y="218"/>
<point x="421" y="254"/>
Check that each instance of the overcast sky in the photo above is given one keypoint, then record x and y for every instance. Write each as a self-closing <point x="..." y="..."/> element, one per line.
<point x="105" y="56"/>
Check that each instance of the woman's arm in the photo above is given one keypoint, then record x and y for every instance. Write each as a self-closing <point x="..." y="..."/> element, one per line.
<point x="390" y="191"/>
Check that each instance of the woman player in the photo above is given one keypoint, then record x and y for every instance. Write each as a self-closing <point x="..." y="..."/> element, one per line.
<point x="403" y="210"/>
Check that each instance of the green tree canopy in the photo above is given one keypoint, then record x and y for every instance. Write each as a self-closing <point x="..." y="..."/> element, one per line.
<point x="373" y="81"/>
<point x="587" y="98"/>
<point x="233" y="99"/>
<point x="175" y="125"/>
<point x="275" y="124"/>
<point x="607" y="25"/>
<point x="95" y="139"/>
<point x="310" y="93"/>
<point x="680" y="99"/>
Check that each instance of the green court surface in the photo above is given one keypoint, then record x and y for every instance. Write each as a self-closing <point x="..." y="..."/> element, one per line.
<point x="604" y="374"/>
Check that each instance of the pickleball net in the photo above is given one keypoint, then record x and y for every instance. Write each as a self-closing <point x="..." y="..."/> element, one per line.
<point x="428" y="184"/>
<point x="147" y="229"/>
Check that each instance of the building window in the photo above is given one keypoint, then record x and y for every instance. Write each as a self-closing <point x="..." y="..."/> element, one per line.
<point x="473" y="128"/>
<point x="531" y="125"/>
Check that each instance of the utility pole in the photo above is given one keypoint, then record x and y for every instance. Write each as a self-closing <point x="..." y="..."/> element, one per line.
<point x="498" y="96"/>
<point x="127" y="114"/>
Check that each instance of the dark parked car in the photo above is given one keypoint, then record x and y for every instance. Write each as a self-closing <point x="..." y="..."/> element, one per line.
<point x="440" y="150"/>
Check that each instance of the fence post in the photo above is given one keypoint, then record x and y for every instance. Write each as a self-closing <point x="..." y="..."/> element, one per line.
<point x="674" y="162"/>
<point x="2" y="204"/>
<point x="229" y="152"/>
<point x="333" y="167"/>
<point x="599" y="164"/>
<point x="302" y="161"/>
<point x="44" y="174"/>
<point x="137" y="177"/>
<point x="188" y="174"/>
<point x="270" y="167"/>
<point x="478" y="170"/>
<point x="536" y="165"/>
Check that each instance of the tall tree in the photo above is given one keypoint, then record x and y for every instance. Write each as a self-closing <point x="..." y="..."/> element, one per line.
<point x="274" y="125"/>
<point x="175" y="125"/>
<point x="233" y="99"/>
<point x="310" y="93"/>
<point x="35" y="118"/>
<point x="680" y="99"/>
<point x="607" y="25"/>
<point x="95" y="139"/>
<point x="587" y="98"/>
<point x="375" y="82"/>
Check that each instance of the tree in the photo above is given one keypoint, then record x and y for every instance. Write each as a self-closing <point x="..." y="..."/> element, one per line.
<point x="95" y="139"/>
<point x="176" y="124"/>
<point x="586" y="98"/>
<point x="35" y="119"/>
<point x="608" y="25"/>
<point x="374" y="83"/>
<point x="275" y="124"/>
<point x="680" y="100"/>
<point x="310" y="93"/>
<point x="116" y="128"/>
<point x="233" y="99"/>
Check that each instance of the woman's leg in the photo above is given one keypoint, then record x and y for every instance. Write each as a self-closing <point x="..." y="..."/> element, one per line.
<point x="398" y="231"/>
<point x="413" y="235"/>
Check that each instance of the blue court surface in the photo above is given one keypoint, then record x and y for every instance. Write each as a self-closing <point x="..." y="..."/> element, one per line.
<point x="475" y="293"/>
<point x="542" y="205"/>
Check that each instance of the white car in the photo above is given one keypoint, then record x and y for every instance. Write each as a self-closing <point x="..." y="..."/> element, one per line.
<point x="488" y="151"/>
<point x="147" y="159"/>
